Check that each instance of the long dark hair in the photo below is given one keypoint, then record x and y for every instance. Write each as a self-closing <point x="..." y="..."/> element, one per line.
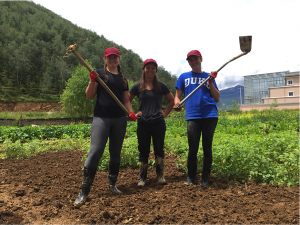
<point x="156" y="85"/>
<point x="119" y="72"/>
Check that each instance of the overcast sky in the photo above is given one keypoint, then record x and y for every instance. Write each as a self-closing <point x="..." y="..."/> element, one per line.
<point x="166" y="30"/>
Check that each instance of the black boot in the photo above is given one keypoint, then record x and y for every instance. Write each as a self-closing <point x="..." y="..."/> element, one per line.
<point x="113" y="172"/>
<point x="206" y="171"/>
<point x="160" y="164"/>
<point x="143" y="173"/>
<point x="88" y="178"/>
<point x="192" y="171"/>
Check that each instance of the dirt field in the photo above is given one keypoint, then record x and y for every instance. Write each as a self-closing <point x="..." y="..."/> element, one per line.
<point x="42" y="189"/>
<point x="30" y="106"/>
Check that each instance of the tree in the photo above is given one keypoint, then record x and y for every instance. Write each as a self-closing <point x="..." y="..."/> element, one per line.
<point x="74" y="100"/>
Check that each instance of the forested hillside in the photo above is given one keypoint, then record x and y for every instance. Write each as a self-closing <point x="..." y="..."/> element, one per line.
<point x="33" y="41"/>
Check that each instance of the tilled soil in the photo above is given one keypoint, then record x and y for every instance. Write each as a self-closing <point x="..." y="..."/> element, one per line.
<point x="42" y="189"/>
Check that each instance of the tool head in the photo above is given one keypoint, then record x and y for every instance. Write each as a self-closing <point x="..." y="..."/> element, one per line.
<point x="245" y="43"/>
<point x="177" y="108"/>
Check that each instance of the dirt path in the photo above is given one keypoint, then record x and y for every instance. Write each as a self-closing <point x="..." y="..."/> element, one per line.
<point x="42" y="189"/>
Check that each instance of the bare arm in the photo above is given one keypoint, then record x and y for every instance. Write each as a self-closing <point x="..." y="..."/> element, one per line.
<point x="170" y="99"/>
<point x="131" y="96"/>
<point x="177" y="96"/>
<point x="91" y="90"/>
<point x="126" y="101"/>
<point x="214" y="92"/>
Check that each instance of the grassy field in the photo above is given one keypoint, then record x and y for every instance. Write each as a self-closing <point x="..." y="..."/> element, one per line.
<point x="261" y="146"/>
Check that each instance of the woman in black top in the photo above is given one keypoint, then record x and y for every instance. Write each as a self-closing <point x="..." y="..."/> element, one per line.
<point x="109" y="122"/>
<point x="151" y="121"/>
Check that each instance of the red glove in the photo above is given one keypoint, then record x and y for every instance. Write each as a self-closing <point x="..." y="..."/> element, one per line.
<point x="213" y="75"/>
<point x="132" y="116"/>
<point x="93" y="75"/>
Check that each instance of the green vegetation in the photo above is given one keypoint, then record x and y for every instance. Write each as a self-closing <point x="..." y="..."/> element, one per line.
<point x="274" y="104"/>
<point x="255" y="145"/>
<point x="33" y="41"/>
<point x="74" y="100"/>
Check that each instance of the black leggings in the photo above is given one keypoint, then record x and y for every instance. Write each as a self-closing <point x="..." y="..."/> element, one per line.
<point x="194" y="129"/>
<point x="102" y="129"/>
<point x="145" y="131"/>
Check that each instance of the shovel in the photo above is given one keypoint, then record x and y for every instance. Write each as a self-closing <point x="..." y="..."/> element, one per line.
<point x="245" y="45"/>
<point x="72" y="49"/>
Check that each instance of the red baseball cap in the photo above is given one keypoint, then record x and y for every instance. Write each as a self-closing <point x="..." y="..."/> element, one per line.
<point x="149" y="61"/>
<point x="111" y="51"/>
<point x="193" y="52"/>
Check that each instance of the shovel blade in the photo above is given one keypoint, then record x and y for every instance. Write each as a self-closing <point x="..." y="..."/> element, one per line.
<point x="245" y="43"/>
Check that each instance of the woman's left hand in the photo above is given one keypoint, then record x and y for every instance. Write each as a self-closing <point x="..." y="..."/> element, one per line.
<point x="138" y="115"/>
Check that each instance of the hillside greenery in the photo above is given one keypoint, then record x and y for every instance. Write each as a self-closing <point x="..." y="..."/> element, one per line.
<point x="33" y="41"/>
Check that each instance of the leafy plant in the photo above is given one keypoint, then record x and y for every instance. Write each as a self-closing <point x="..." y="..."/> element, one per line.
<point x="74" y="100"/>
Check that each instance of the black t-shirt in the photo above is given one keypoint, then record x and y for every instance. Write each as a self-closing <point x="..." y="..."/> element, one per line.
<point x="149" y="102"/>
<point x="106" y="106"/>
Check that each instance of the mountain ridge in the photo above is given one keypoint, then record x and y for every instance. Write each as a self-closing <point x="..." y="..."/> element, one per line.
<point x="230" y="94"/>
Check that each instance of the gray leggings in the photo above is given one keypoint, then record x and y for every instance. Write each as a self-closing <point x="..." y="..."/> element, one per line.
<point x="102" y="129"/>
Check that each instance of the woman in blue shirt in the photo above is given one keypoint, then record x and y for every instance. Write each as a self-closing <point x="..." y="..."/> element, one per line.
<point x="201" y="114"/>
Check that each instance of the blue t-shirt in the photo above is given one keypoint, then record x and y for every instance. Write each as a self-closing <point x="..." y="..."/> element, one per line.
<point x="201" y="104"/>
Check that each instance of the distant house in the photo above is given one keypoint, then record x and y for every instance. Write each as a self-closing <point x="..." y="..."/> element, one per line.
<point x="281" y="88"/>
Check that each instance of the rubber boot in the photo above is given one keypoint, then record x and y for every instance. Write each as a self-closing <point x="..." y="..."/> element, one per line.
<point x="113" y="172"/>
<point x="206" y="171"/>
<point x="143" y="173"/>
<point x="88" y="178"/>
<point x="160" y="164"/>
<point x="192" y="171"/>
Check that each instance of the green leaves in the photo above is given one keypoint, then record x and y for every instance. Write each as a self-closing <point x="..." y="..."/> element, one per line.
<point x="74" y="100"/>
<point x="28" y="133"/>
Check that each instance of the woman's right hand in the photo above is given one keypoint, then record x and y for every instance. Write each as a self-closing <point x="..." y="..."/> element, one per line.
<point x="93" y="75"/>
<point x="176" y="101"/>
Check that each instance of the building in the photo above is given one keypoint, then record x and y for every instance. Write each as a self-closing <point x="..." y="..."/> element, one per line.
<point x="262" y="90"/>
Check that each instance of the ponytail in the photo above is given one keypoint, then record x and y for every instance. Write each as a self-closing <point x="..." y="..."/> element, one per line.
<point x="124" y="81"/>
<point x="105" y="71"/>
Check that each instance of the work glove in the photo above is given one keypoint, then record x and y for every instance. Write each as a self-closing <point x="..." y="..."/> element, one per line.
<point x="213" y="75"/>
<point x="132" y="116"/>
<point x="93" y="75"/>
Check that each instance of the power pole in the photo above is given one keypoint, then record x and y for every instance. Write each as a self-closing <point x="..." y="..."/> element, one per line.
<point x="240" y="95"/>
